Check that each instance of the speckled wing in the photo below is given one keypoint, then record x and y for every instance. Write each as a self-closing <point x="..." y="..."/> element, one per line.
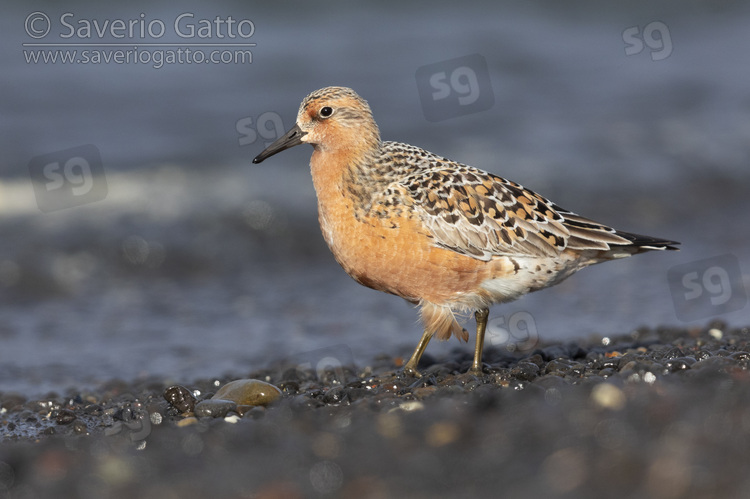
<point x="481" y="215"/>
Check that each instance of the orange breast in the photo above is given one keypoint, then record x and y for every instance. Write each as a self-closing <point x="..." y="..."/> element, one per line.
<point x="392" y="254"/>
<point x="396" y="255"/>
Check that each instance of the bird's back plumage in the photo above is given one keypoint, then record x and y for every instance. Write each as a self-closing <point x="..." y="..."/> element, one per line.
<point x="482" y="215"/>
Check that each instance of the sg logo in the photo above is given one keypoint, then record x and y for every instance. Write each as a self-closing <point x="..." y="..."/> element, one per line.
<point x="75" y="171"/>
<point x="463" y="81"/>
<point x="68" y="178"/>
<point x="707" y="287"/>
<point x="661" y="46"/>
<point x="520" y="333"/>
<point x="269" y="126"/>
<point x="455" y="87"/>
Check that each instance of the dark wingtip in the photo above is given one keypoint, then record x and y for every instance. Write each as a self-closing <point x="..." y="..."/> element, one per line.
<point x="648" y="242"/>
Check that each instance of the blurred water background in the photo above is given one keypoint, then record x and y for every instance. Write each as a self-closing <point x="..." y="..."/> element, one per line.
<point x="196" y="263"/>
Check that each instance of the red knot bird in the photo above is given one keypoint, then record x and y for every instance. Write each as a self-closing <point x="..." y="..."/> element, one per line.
<point x="445" y="236"/>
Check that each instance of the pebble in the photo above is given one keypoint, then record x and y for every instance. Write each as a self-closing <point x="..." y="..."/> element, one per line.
<point x="93" y="409"/>
<point x="525" y="371"/>
<point x="741" y="357"/>
<point x="248" y="392"/>
<point x="702" y="355"/>
<point x="187" y="421"/>
<point x="679" y="364"/>
<point x="608" y="396"/>
<point x="289" y="387"/>
<point x="336" y="395"/>
<point x="180" y="398"/>
<point x="442" y="433"/>
<point x="65" y="416"/>
<point x="79" y="427"/>
<point x="409" y="406"/>
<point x="716" y="334"/>
<point x="213" y="408"/>
<point x="556" y="368"/>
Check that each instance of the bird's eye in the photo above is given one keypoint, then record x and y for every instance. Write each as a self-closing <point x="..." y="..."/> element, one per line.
<point x="326" y="112"/>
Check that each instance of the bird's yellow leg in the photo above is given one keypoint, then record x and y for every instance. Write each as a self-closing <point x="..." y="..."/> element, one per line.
<point x="410" y="368"/>
<point x="481" y="317"/>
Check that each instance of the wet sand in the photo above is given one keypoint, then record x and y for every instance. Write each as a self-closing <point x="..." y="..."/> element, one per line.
<point x="659" y="413"/>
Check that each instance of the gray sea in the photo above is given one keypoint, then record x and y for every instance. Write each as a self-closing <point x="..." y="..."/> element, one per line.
<point x="137" y="239"/>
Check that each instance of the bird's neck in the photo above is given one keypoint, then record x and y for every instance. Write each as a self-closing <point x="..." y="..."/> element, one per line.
<point x="348" y="175"/>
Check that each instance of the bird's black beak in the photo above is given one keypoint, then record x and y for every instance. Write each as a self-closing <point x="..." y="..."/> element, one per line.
<point x="290" y="139"/>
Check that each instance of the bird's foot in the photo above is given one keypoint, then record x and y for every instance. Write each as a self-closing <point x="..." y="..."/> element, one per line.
<point x="476" y="370"/>
<point x="410" y="370"/>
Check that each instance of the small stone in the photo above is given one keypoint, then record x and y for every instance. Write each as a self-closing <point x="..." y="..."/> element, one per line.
<point x="124" y="414"/>
<point x="289" y="387"/>
<point x="248" y="392"/>
<point x="336" y="395"/>
<point x="611" y="363"/>
<point x="79" y="427"/>
<point x="94" y="409"/>
<point x="608" y="396"/>
<point x="742" y="357"/>
<point x="214" y="408"/>
<point x="525" y="371"/>
<point x="679" y="364"/>
<point x="187" y="422"/>
<point x="180" y="398"/>
<point x="65" y="416"/>
<point x="577" y="370"/>
<point x="424" y="391"/>
<point x="442" y="433"/>
<point x="556" y="367"/>
<point x="410" y="406"/>
<point x="156" y="418"/>
<point x="702" y="355"/>
<point x="535" y="359"/>
<point x="674" y="353"/>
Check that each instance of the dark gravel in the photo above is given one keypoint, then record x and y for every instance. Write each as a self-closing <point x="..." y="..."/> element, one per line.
<point x="660" y="413"/>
